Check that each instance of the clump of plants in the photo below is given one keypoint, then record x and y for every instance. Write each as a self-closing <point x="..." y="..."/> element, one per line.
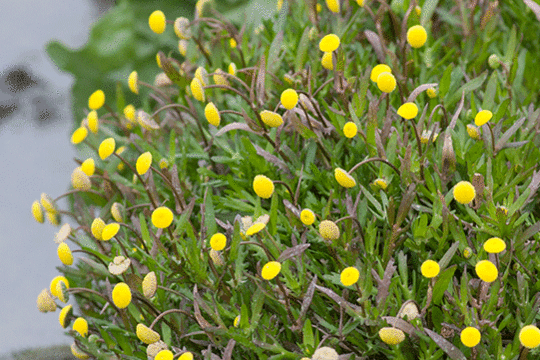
<point x="348" y="180"/>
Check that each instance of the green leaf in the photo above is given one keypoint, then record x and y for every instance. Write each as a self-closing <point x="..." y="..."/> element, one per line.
<point x="307" y="332"/>
<point x="442" y="284"/>
<point x="445" y="81"/>
<point x="467" y="88"/>
<point x="302" y="50"/>
<point x="427" y="12"/>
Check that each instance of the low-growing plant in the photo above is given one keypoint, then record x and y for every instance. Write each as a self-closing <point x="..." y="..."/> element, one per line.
<point x="348" y="180"/>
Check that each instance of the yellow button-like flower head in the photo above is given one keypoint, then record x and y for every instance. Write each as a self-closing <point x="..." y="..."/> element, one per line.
<point x="88" y="167"/>
<point x="381" y="184"/>
<point x="343" y="178"/>
<point x="211" y="114"/>
<point x="65" y="314"/>
<point x="78" y="353"/>
<point x="486" y="270"/>
<point x="494" y="245"/>
<point x="473" y="132"/>
<point x="80" y="180"/>
<point x="386" y="82"/>
<point x="182" y="47"/>
<point x="416" y="36"/>
<point x="327" y="61"/>
<point x="482" y="117"/>
<point x="197" y="90"/>
<point x="470" y="336"/>
<point x="110" y="231"/>
<point x="233" y="43"/>
<point x="97" y="228"/>
<point x="37" y="212"/>
<point x="162" y="217"/>
<point x="271" y="118"/>
<point x="129" y="112"/>
<point x="53" y="286"/>
<point x="220" y="78"/>
<point x="218" y="241"/>
<point x="289" y="99"/>
<point x="186" y="356"/>
<point x="270" y="270"/>
<point x="121" y="295"/>
<point x="45" y="302"/>
<point x="263" y="186"/>
<point x="349" y="276"/>
<point x="164" y="355"/>
<point x="378" y="70"/>
<point x="307" y="217"/>
<point x="133" y="82"/>
<point x="147" y="335"/>
<point x="80" y="325"/>
<point x="333" y="5"/>
<point x="430" y="269"/>
<point x="143" y="163"/>
<point x="181" y="28"/>
<point x="96" y="100"/>
<point x="529" y="336"/>
<point x="464" y="192"/>
<point x="64" y="254"/>
<point x="117" y="211"/>
<point x="157" y="22"/>
<point x="149" y="285"/>
<point x="431" y="92"/>
<point x="391" y="336"/>
<point x="232" y="69"/>
<point x="106" y="148"/>
<point x="329" y="43"/>
<point x="255" y="228"/>
<point x="408" y="110"/>
<point x="79" y="135"/>
<point x="350" y="129"/>
<point x="360" y="3"/>
<point x="329" y="230"/>
<point x="202" y="75"/>
<point x="93" y="121"/>
<point x="325" y="353"/>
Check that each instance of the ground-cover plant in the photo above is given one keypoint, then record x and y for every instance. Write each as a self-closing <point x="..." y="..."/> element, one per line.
<point x="352" y="180"/>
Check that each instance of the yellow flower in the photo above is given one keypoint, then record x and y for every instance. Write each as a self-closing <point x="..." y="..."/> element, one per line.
<point x="325" y="353"/>
<point x="233" y="43"/>
<point x="408" y="110"/>
<point x="45" y="302"/>
<point x="53" y="286"/>
<point x="97" y="228"/>
<point x="319" y="8"/>
<point x="333" y="5"/>
<point x="64" y="314"/>
<point x="343" y="178"/>
<point x="116" y="211"/>
<point x="470" y="336"/>
<point x="473" y="132"/>
<point x="80" y="180"/>
<point x="121" y="295"/>
<point x="211" y="114"/>
<point x="96" y="100"/>
<point x="263" y="186"/>
<point x="426" y="135"/>
<point x="494" y="245"/>
<point x="202" y="75"/>
<point x="64" y="254"/>
<point x="133" y="82"/>
<point x="381" y="184"/>
<point x="129" y="112"/>
<point x="106" y="148"/>
<point x="360" y="3"/>
<point x="431" y="92"/>
<point x="186" y="356"/>
<point x="307" y="217"/>
<point x="327" y="61"/>
<point x="53" y="217"/>
<point x="158" y="60"/>
<point x="93" y="122"/>
<point x="88" y="167"/>
<point x="164" y="355"/>
<point x="157" y="22"/>
<point x="482" y="117"/>
<point x="386" y="82"/>
<point x="37" y="212"/>
<point x="110" y="231"/>
<point x="144" y="119"/>
<point x="486" y="270"/>
<point x="182" y="47"/>
<point x="162" y="217"/>
<point x="467" y="252"/>
<point x="181" y="28"/>
<point x="289" y="99"/>
<point x="218" y="242"/>
<point x="349" y="276"/>
<point x="197" y="90"/>
<point x="329" y="43"/>
<point x="232" y="69"/>
<point x="430" y="269"/>
<point x="416" y="36"/>
<point x="279" y="5"/>
<point x="236" y="321"/>
<point x="350" y="129"/>
<point x="78" y="353"/>
<point x="271" y="118"/>
<point x="147" y="335"/>
<point x="220" y="78"/>
<point x="329" y="230"/>
<point x="464" y="192"/>
<point x="163" y="163"/>
<point x="47" y="203"/>
<point x="378" y="70"/>
<point x="216" y="257"/>
<point x="255" y="228"/>
<point x="149" y="284"/>
<point x="418" y="10"/>
<point x="79" y="135"/>
<point x="270" y="270"/>
<point x="144" y="162"/>
<point x="391" y="336"/>
<point x="529" y="336"/>
<point x="80" y="325"/>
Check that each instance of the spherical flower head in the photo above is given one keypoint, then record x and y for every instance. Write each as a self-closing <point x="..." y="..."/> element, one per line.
<point x="181" y="28"/>
<point x="307" y="217"/>
<point x="255" y="228"/>
<point x="119" y="265"/>
<point x="129" y="112"/>
<point x="236" y="321"/>
<point x="232" y="69"/>
<point x="327" y="61"/>
<point x="386" y="82"/>
<point x="271" y="118"/>
<point x="464" y="192"/>
<point x="182" y="47"/>
<point x="143" y="163"/>
<point x="144" y="119"/>
<point x="80" y="325"/>
<point x="157" y="22"/>
<point x="197" y="90"/>
<point x="88" y="167"/>
<point x="360" y="3"/>
<point x="53" y="286"/>
<point x="329" y="230"/>
<point x="78" y="353"/>
<point x="325" y="353"/>
<point x="218" y="242"/>
<point x="416" y="36"/>
<point x="96" y="100"/>
<point x="110" y="231"/>
<point x="106" y="148"/>
<point x="97" y="228"/>
<point x="202" y="75"/>
<point x="164" y="355"/>
<point x="289" y="98"/>
<point x="529" y="336"/>
<point x="494" y="61"/>
<point x="79" y="135"/>
<point x="37" y="212"/>
<point x="467" y="252"/>
<point x="343" y="178"/>
<point x="430" y="269"/>
<point x="162" y="217"/>
<point x="117" y="210"/>
<point x="45" y="302"/>
<point x="470" y="336"/>
<point x="133" y="82"/>
<point x="121" y="295"/>
<point x="408" y="110"/>
<point x="431" y="92"/>
<point x="391" y="336"/>
<point x="64" y="254"/>
<point x="79" y="180"/>
<point x="149" y="285"/>
<point x="53" y="217"/>
<point x="378" y="70"/>
<point x="211" y="114"/>
<point x="349" y="276"/>
<point x="270" y="270"/>
<point x="494" y="245"/>
<point x="62" y="234"/>
<point x="329" y="43"/>
<point x="473" y="132"/>
<point x="482" y="117"/>
<point x="147" y="335"/>
<point x="381" y="184"/>
<point x="426" y="135"/>
<point x="186" y="356"/>
<point x="486" y="270"/>
<point x="333" y="5"/>
<point x="220" y="78"/>
<point x="65" y="313"/>
<point x="233" y="43"/>
<point x="93" y="121"/>
<point x="350" y="129"/>
<point x="263" y="186"/>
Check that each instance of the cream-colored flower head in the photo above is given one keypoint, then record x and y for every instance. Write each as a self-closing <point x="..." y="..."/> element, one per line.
<point x="220" y="77"/>
<point x="181" y="28"/>
<point x="325" y="353"/>
<point x="119" y="265"/>
<point x="216" y="257"/>
<point x="45" y="302"/>
<point x="79" y="180"/>
<point x="147" y="335"/>
<point x="62" y="234"/>
<point x="78" y="353"/>
<point x="329" y="230"/>
<point x="149" y="285"/>
<point x="391" y="336"/>
<point x="117" y="211"/>
<point x="144" y="119"/>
